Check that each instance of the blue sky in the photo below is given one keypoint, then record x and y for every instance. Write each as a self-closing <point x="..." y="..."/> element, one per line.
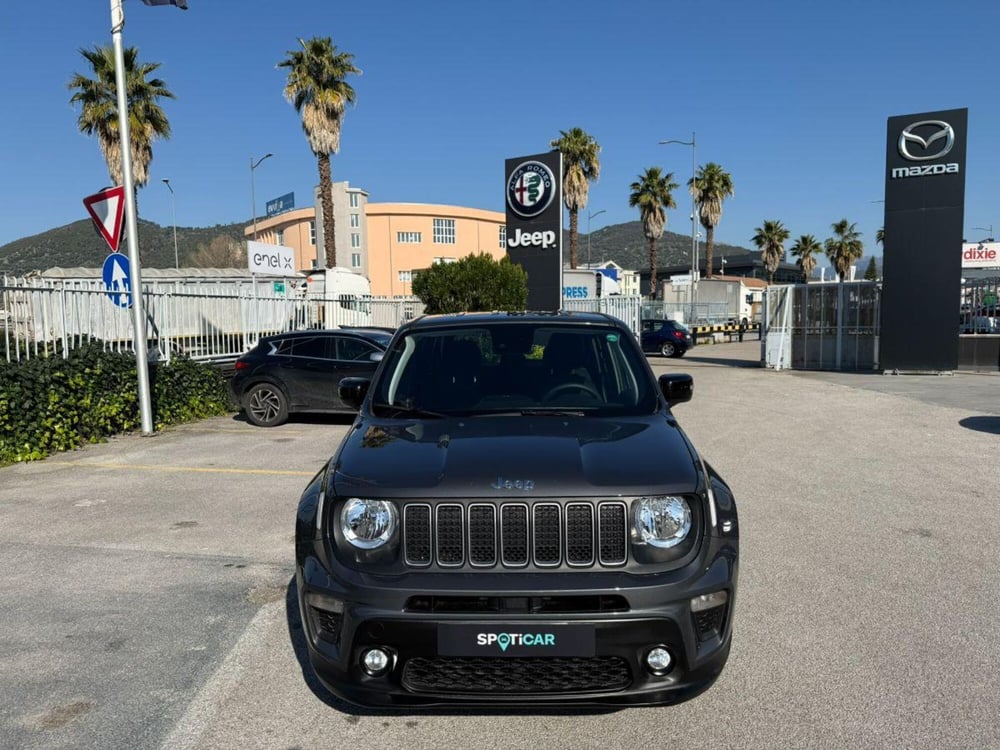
<point x="790" y="97"/>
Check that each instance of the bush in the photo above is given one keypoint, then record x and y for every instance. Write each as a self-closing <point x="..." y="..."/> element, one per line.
<point x="476" y="283"/>
<point x="51" y="404"/>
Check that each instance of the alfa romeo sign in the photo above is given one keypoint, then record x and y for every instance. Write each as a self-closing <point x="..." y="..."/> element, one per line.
<point x="533" y="196"/>
<point x="530" y="189"/>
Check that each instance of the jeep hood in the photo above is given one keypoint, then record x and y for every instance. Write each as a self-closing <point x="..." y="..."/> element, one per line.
<point x="516" y="456"/>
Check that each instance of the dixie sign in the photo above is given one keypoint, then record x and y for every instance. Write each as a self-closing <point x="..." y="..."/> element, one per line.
<point x="981" y="255"/>
<point x="270" y="260"/>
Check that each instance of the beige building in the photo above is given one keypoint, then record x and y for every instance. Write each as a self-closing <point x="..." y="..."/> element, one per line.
<point x="302" y="230"/>
<point x="386" y="242"/>
<point x="405" y="237"/>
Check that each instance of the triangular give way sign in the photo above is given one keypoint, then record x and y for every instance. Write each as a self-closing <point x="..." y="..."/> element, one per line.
<point x="107" y="208"/>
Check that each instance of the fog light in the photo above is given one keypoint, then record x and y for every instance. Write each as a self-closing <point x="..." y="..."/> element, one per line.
<point x="709" y="601"/>
<point x="658" y="660"/>
<point x="375" y="661"/>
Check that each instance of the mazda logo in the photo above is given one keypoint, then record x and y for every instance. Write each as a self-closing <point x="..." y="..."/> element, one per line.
<point x="942" y="131"/>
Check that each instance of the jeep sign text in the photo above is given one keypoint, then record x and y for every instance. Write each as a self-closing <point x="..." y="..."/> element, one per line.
<point x="537" y="239"/>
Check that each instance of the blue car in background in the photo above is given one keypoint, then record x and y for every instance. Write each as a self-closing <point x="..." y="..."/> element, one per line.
<point x="668" y="337"/>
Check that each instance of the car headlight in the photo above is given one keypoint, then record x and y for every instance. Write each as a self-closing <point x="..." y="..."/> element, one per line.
<point x="368" y="524"/>
<point x="663" y="522"/>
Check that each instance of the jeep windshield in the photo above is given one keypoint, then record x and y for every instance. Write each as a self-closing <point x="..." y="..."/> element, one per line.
<point x="514" y="368"/>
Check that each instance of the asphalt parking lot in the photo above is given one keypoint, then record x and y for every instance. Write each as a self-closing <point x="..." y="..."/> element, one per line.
<point x="148" y="601"/>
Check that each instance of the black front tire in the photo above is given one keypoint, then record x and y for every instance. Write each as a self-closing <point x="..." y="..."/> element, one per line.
<point x="266" y="405"/>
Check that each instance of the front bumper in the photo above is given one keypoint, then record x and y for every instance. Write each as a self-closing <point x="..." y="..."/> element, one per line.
<point x="622" y="617"/>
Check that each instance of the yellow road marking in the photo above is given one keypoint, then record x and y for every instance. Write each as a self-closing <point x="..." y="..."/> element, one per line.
<point x="195" y="469"/>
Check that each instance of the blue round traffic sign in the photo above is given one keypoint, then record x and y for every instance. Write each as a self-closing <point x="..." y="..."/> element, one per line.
<point x="117" y="279"/>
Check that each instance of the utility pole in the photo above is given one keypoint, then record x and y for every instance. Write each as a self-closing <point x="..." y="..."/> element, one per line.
<point x="131" y="225"/>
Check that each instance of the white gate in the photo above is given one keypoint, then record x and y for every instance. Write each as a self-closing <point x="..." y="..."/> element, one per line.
<point x="822" y="326"/>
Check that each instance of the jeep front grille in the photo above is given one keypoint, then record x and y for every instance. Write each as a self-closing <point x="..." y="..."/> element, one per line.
<point x="545" y="534"/>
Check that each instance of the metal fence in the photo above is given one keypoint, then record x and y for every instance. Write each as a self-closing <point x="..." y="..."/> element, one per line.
<point x="211" y="322"/>
<point x="626" y="308"/>
<point x="688" y="313"/>
<point x="822" y="326"/>
<point x="979" y="314"/>
<point x="208" y="323"/>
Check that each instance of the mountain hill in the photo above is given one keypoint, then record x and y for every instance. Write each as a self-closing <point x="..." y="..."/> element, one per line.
<point x="627" y="246"/>
<point x="79" y="244"/>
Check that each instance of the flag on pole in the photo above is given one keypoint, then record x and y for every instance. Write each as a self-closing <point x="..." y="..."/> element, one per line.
<point x="182" y="4"/>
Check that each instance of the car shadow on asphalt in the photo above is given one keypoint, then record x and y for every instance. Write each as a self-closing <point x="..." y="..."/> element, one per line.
<point x="990" y="424"/>
<point x="337" y="419"/>
<point x="720" y="361"/>
<point x="297" y="637"/>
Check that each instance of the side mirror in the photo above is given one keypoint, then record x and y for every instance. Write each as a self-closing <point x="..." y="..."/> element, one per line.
<point x="676" y="388"/>
<point x="353" y="391"/>
<point x="376" y="356"/>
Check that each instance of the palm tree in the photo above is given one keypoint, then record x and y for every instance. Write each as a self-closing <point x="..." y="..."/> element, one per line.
<point x="317" y="88"/>
<point x="653" y="194"/>
<point x="806" y="247"/>
<point x="580" y="167"/>
<point x="880" y="236"/>
<point x="770" y="240"/>
<point x="710" y="186"/>
<point x="844" y="247"/>
<point x="98" y="100"/>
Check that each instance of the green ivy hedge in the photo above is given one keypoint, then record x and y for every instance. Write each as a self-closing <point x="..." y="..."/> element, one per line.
<point x="50" y="403"/>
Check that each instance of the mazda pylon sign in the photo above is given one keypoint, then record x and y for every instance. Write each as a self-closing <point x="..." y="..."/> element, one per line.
<point x="533" y="187"/>
<point x="924" y="215"/>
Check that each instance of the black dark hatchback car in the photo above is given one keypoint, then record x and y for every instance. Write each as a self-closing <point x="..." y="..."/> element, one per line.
<point x="516" y="517"/>
<point x="300" y="371"/>
<point x="668" y="337"/>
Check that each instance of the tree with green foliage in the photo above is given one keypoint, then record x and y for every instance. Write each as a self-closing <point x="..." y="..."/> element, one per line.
<point x="871" y="273"/>
<point x="710" y="186"/>
<point x="845" y="247"/>
<point x="653" y="194"/>
<point x="476" y="283"/>
<point x="805" y="250"/>
<point x="880" y="236"/>
<point x="98" y="100"/>
<point x="318" y="90"/>
<point x="580" y="167"/>
<point x="770" y="239"/>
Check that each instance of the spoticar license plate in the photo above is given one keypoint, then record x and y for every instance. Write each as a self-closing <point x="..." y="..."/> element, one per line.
<point x="498" y="639"/>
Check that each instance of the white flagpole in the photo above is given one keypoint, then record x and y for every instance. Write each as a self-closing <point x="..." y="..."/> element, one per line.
<point x="131" y="230"/>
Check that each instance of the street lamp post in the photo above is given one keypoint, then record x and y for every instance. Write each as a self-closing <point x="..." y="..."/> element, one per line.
<point x="589" y="217"/>
<point x="988" y="230"/>
<point x="693" y="143"/>
<point x="253" y="197"/>
<point x="173" y="212"/>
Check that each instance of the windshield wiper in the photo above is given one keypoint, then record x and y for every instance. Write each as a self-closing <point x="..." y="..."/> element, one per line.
<point x="551" y="412"/>
<point x="403" y="411"/>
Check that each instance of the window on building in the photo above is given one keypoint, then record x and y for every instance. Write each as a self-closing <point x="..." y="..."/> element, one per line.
<point x="444" y="231"/>
<point x="408" y="238"/>
<point x="355" y="220"/>
<point x="503" y="235"/>
<point x="355" y="200"/>
<point x="355" y="239"/>
<point x="279" y="237"/>
<point x="406" y="276"/>
<point x="446" y="260"/>
<point x="312" y="232"/>
<point x="355" y="260"/>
